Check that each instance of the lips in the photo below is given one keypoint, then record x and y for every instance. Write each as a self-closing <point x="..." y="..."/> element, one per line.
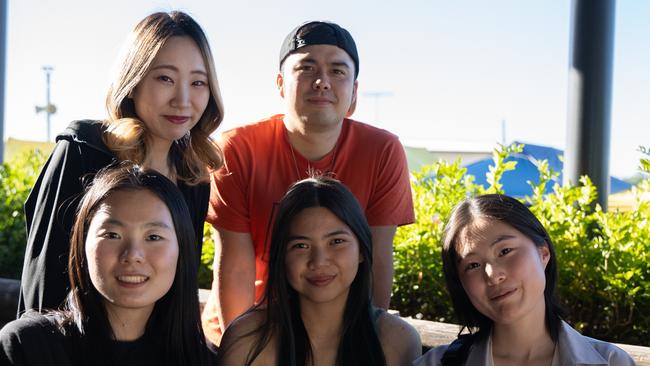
<point x="132" y="280"/>
<point x="177" y="120"/>
<point x="320" y="100"/>
<point x="502" y="294"/>
<point x="320" y="280"/>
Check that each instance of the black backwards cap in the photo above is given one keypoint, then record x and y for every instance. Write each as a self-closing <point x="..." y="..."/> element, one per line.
<point x="316" y="32"/>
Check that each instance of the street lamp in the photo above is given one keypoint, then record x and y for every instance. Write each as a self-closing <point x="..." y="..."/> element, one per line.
<point x="49" y="108"/>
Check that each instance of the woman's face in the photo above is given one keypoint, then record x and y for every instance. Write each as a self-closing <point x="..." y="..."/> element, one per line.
<point x="132" y="251"/>
<point x="322" y="256"/>
<point x="502" y="272"/>
<point x="173" y="95"/>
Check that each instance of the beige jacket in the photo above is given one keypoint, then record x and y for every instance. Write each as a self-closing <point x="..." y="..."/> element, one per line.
<point x="573" y="349"/>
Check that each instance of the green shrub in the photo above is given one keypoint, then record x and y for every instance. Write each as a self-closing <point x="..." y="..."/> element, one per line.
<point x="207" y="258"/>
<point x="604" y="279"/>
<point x="16" y="180"/>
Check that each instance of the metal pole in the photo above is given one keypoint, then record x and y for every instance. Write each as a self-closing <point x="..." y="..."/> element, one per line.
<point x="590" y="90"/>
<point x="48" y="70"/>
<point x="3" y="57"/>
<point x="49" y="108"/>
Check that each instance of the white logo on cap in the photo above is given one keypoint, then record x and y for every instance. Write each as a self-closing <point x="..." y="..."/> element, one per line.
<point x="300" y="42"/>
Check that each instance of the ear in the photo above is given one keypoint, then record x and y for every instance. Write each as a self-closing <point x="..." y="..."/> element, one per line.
<point x="544" y="254"/>
<point x="353" y="102"/>
<point x="279" y="81"/>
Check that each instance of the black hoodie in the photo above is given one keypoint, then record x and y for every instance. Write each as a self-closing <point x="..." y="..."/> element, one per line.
<point x="51" y="207"/>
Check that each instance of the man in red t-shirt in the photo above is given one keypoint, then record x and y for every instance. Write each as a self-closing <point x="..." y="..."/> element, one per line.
<point x="319" y="66"/>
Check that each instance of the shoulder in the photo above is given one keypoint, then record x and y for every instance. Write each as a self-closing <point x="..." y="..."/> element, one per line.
<point x="610" y="352"/>
<point x="263" y="128"/>
<point x="32" y="330"/>
<point x="433" y="357"/>
<point x="85" y="132"/>
<point x="585" y="349"/>
<point x="399" y="340"/>
<point x="364" y="130"/>
<point x="240" y="339"/>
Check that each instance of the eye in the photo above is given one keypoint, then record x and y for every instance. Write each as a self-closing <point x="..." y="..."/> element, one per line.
<point x="339" y="72"/>
<point x="471" y="266"/>
<point x="305" y="68"/>
<point x="199" y="83"/>
<point x="338" y="241"/>
<point x="110" y="235"/>
<point x="298" y="245"/>
<point x="505" y="251"/>
<point x="154" y="237"/>
<point x="165" y="78"/>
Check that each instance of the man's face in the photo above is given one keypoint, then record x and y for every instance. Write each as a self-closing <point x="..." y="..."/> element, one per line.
<point x="318" y="86"/>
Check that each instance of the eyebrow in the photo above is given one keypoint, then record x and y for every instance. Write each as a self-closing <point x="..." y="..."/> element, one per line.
<point x="501" y="238"/>
<point x="174" y="68"/>
<point x="328" y="235"/>
<point x="311" y="60"/>
<point x="153" y="224"/>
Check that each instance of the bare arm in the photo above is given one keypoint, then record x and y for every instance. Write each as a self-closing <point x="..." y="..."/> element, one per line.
<point x="234" y="274"/>
<point x="382" y="268"/>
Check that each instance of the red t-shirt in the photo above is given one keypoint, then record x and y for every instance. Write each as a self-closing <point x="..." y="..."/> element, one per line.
<point x="260" y="166"/>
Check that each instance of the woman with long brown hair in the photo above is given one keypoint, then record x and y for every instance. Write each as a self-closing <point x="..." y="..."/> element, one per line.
<point x="163" y="105"/>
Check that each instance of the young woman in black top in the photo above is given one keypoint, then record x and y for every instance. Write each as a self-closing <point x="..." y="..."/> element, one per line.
<point x="163" y="106"/>
<point x="317" y="307"/>
<point x="133" y="278"/>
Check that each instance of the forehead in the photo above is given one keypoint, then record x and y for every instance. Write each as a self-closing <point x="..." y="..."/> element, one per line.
<point x="321" y="52"/>
<point x="180" y="49"/>
<point x="132" y="206"/>
<point x="315" y="219"/>
<point x="480" y="234"/>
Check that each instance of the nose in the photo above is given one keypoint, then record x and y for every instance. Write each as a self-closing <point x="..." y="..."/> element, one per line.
<point x="494" y="274"/>
<point x="132" y="253"/>
<point x="322" y="82"/>
<point x="318" y="257"/>
<point x="181" y="97"/>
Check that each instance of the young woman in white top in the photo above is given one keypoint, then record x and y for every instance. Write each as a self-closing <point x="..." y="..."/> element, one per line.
<point x="501" y="272"/>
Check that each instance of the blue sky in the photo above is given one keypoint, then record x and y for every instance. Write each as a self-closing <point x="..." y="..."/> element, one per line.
<point x="454" y="70"/>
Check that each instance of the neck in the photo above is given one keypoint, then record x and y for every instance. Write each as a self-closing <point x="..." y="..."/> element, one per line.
<point x="312" y="143"/>
<point x="525" y="342"/>
<point x="323" y="323"/>
<point x="157" y="157"/>
<point x="128" y="324"/>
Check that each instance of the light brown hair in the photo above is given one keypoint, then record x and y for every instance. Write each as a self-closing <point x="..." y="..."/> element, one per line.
<point x="192" y="156"/>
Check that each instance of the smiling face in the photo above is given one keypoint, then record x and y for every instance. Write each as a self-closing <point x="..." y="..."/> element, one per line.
<point x="322" y="256"/>
<point x="502" y="272"/>
<point x="173" y="95"/>
<point x="132" y="251"/>
<point x="318" y="86"/>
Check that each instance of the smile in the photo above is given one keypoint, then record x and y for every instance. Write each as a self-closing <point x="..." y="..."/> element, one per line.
<point x="135" y="280"/>
<point x="320" y="281"/>
<point x="177" y="120"/>
<point x="503" y="295"/>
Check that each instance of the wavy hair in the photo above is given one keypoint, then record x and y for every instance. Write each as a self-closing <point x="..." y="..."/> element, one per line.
<point x="515" y="214"/>
<point x="174" y="326"/>
<point x="193" y="157"/>
<point x="359" y="343"/>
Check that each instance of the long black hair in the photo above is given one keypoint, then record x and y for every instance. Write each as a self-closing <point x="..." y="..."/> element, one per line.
<point x="515" y="214"/>
<point x="174" y="326"/>
<point x="359" y="344"/>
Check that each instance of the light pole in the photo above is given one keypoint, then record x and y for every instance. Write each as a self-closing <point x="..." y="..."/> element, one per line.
<point x="49" y="108"/>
